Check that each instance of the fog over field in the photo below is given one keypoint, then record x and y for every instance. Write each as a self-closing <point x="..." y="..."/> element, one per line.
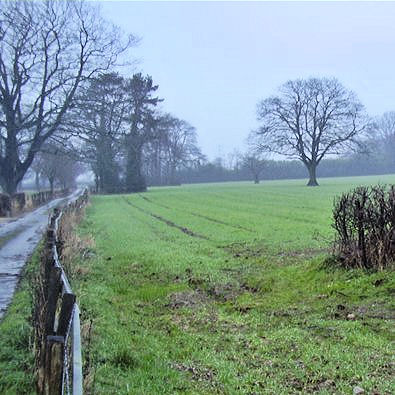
<point x="163" y="93"/>
<point x="214" y="61"/>
<point x="226" y="181"/>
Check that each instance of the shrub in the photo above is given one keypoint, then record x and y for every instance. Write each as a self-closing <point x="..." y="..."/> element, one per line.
<point x="364" y="220"/>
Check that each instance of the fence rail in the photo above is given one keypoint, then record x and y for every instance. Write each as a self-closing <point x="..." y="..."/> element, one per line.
<point x="58" y="333"/>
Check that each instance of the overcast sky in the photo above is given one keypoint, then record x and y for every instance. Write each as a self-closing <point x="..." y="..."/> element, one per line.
<point x="214" y="61"/>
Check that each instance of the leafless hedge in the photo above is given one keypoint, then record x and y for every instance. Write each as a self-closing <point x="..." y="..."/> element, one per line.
<point x="364" y="220"/>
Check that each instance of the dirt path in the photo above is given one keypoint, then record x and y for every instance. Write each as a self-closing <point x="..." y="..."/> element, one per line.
<point x="18" y="240"/>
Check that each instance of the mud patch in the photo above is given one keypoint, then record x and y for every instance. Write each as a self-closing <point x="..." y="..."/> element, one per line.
<point x="352" y="313"/>
<point x="224" y="292"/>
<point x="245" y="251"/>
<point x="189" y="299"/>
<point x="376" y="310"/>
<point x="197" y="372"/>
<point x="324" y="385"/>
<point x="219" y="292"/>
<point x="307" y="253"/>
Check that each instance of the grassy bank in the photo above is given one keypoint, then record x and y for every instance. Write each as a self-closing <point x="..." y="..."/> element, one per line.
<point x="16" y="338"/>
<point x="221" y="289"/>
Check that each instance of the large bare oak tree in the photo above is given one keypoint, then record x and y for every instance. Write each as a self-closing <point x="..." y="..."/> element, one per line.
<point x="47" y="49"/>
<point x="308" y="120"/>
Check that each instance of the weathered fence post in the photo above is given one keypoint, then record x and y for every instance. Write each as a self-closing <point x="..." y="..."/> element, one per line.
<point x="66" y="313"/>
<point x="77" y="357"/>
<point x="54" y="288"/>
<point x="54" y="365"/>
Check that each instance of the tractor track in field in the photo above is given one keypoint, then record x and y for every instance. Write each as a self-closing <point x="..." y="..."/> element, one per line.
<point x="214" y="220"/>
<point x="153" y="229"/>
<point x="152" y="202"/>
<point x="168" y="222"/>
<point x="218" y="221"/>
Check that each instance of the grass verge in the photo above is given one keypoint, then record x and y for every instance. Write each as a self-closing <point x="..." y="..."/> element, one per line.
<point x="16" y="336"/>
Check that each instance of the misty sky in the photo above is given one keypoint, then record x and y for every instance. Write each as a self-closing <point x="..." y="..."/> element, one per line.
<point x="214" y="61"/>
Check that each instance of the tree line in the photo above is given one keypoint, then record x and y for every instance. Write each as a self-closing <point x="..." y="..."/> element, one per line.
<point x="356" y="164"/>
<point x="125" y="137"/>
<point x="62" y="103"/>
<point x="318" y="125"/>
<point x="63" y="110"/>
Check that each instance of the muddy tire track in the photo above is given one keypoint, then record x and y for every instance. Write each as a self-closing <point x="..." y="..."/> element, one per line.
<point x="218" y="221"/>
<point x="152" y="202"/>
<point x="168" y="222"/>
<point x="214" y="220"/>
<point x="155" y="231"/>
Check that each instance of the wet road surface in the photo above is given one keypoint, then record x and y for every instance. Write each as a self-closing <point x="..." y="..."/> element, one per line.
<point x="18" y="240"/>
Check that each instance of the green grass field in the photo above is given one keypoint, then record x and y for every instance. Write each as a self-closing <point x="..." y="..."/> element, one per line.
<point x="221" y="288"/>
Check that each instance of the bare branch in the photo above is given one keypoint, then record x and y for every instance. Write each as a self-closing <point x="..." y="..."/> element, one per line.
<point x="47" y="50"/>
<point x="309" y="120"/>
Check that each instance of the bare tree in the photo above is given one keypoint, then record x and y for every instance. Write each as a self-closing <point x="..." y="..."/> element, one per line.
<point x="180" y="147"/>
<point x="47" y="49"/>
<point x="255" y="163"/>
<point x="174" y="147"/>
<point x="384" y="136"/>
<point x="234" y="160"/>
<point x="55" y="165"/>
<point x="385" y="126"/>
<point x="309" y="120"/>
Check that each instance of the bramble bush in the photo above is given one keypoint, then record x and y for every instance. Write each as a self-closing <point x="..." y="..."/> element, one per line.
<point x="364" y="220"/>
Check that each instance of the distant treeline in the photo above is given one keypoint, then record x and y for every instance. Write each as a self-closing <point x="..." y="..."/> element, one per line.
<point x="356" y="165"/>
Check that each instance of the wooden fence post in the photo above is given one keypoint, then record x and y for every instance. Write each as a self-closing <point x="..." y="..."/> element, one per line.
<point x="49" y="258"/>
<point x="54" y="365"/>
<point x="66" y="312"/>
<point x="54" y="288"/>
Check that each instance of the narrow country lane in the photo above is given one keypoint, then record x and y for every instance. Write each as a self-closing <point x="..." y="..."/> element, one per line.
<point x="18" y="240"/>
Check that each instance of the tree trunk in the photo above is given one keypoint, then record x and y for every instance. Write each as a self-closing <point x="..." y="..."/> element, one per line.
<point x="12" y="170"/>
<point x="51" y="184"/>
<point x="37" y="180"/>
<point x="172" y="176"/>
<point x="9" y="177"/>
<point x="135" y="181"/>
<point x="312" y="175"/>
<point x="256" y="179"/>
<point x="10" y="186"/>
<point x="96" y="182"/>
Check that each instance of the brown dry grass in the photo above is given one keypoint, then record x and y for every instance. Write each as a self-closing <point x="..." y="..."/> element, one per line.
<point x="74" y="248"/>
